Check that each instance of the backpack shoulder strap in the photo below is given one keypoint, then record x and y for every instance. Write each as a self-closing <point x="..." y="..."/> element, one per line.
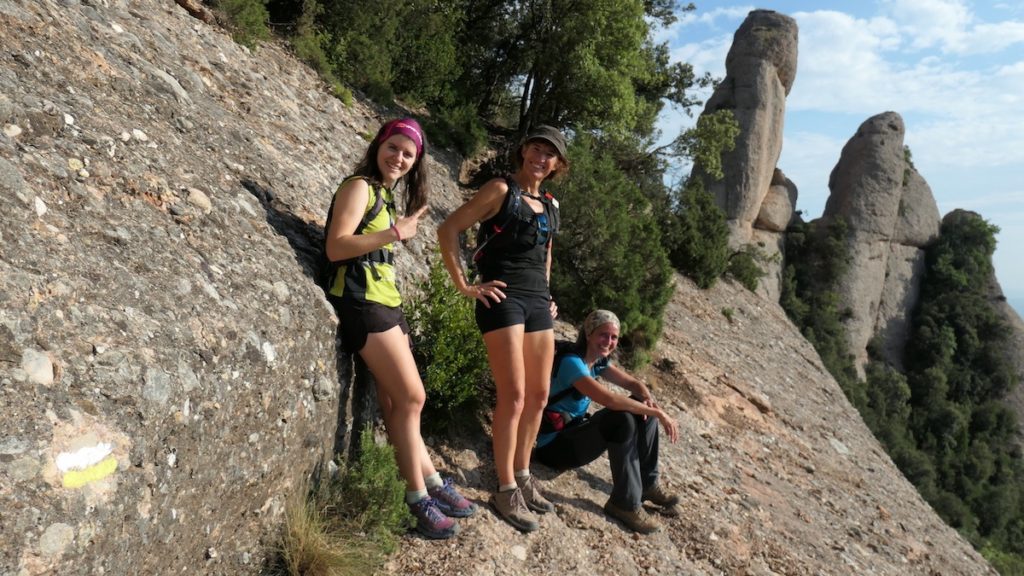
<point x="515" y="196"/>
<point x="509" y="210"/>
<point x="551" y="207"/>
<point x="378" y="205"/>
<point x="563" y="348"/>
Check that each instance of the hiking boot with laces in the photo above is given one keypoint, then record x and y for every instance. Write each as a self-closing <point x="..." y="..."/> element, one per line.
<point x="450" y="502"/>
<point x="636" y="520"/>
<point x="431" y="522"/>
<point x="535" y="501"/>
<point x="666" y="501"/>
<point x="511" y="506"/>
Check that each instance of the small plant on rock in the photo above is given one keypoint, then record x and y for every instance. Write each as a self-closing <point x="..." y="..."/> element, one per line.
<point x="346" y="524"/>
<point x="448" y="350"/>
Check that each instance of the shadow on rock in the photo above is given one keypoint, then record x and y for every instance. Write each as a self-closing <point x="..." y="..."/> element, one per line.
<point x="357" y="397"/>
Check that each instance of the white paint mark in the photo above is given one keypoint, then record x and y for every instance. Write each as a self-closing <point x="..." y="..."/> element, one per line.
<point x="83" y="457"/>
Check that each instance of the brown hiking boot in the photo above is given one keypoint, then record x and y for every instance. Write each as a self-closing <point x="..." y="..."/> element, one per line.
<point x="511" y="506"/>
<point x="667" y="503"/>
<point x="636" y="520"/>
<point x="535" y="501"/>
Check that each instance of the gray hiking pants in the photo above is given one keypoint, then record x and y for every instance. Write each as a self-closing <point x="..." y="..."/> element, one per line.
<point x="632" y="445"/>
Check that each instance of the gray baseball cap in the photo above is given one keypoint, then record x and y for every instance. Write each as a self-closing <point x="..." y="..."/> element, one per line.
<point x="549" y="134"/>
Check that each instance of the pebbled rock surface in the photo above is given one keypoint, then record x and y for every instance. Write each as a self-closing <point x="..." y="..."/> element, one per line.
<point x="778" y="474"/>
<point x="168" y="373"/>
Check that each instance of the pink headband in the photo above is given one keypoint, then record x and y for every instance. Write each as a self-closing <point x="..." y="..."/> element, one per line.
<point x="406" y="127"/>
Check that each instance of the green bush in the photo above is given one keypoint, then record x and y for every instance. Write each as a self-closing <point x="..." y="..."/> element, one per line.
<point x="248" y="20"/>
<point x="459" y="128"/>
<point x="310" y="43"/>
<point x="705" y="143"/>
<point x="608" y="253"/>
<point x="1006" y="563"/>
<point x="744" y="269"/>
<point x="696" y="235"/>
<point x="959" y="372"/>
<point x="817" y="259"/>
<point x="346" y="524"/>
<point x="372" y="494"/>
<point x="449" y="351"/>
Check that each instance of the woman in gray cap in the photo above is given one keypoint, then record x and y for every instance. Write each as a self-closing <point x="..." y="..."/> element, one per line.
<point x="514" y="309"/>
<point x="627" y="426"/>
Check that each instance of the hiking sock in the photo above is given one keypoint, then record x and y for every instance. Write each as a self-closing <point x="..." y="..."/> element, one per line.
<point x="414" y="496"/>
<point x="507" y="487"/>
<point x="434" y="480"/>
<point x="522" y="476"/>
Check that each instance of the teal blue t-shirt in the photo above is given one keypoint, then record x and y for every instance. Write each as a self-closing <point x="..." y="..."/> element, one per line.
<point x="569" y="370"/>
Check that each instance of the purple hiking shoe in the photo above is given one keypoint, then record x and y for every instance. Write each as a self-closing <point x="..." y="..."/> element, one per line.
<point x="450" y="502"/>
<point x="431" y="522"/>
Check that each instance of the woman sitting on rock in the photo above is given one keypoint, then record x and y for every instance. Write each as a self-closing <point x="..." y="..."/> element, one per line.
<point x="627" y="426"/>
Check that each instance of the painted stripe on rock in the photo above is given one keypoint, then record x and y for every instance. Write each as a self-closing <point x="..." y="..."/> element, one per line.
<point x="83" y="457"/>
<point x="99" y="471"/>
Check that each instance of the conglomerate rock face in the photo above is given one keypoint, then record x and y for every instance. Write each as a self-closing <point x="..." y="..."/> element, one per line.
<point x="891" y="217"/>
<point x="168" y="372"/>
<point x="760" y="70"/>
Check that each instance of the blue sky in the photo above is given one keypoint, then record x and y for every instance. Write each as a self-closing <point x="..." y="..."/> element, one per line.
<point x="954" y="69"/>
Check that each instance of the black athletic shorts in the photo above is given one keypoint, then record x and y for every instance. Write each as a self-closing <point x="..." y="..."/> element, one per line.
<point x="531" y="311"/>
<point x="357" y="319"/>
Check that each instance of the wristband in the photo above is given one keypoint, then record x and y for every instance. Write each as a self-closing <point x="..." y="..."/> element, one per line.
<point x="397" y="233"/>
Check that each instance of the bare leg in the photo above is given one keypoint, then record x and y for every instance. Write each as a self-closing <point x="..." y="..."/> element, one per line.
<point x="538" y="354"/>
<point x="426" y="465"/>
<point x="400" y="389"/>
<point x="505" y="355"/>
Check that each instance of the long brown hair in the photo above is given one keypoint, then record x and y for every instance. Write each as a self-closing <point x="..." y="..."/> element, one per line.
<point x="417" y="180"/>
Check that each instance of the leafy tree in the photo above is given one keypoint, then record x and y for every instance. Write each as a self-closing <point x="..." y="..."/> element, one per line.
<point x="958" y="372"/>
<point x="424" y="53"/>
<point x="743" y="267"/>
<point x="816" y="261"/>
<point x="714" y="134"/>
<point x="608" y="253"/>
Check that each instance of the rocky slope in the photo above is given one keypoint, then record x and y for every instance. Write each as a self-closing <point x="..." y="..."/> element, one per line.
<point x="777" y="472"/>
<point x="168" y="375"/>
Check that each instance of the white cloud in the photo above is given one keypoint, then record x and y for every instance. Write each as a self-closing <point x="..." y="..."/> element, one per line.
<point x="807" y="159"/>
<point x="989" y="38"/>
<point x="706" y="56"/>
<point x="951" y="26"/>
<point x="841" y="64"/>
<point x="931" y="23"/>
<point x="712" y="17"/>
<point x="707" y="20"/>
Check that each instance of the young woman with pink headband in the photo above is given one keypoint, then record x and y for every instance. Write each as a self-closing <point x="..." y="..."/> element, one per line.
<point x="360" y="241"/>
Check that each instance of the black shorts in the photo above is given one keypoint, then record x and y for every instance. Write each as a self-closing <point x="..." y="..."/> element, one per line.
<point x="357" y="319"/>
<point x="533" y="312"/>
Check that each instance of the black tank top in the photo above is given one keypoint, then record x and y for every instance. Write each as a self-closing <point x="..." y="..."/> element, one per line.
<point x="518" y="254"/>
